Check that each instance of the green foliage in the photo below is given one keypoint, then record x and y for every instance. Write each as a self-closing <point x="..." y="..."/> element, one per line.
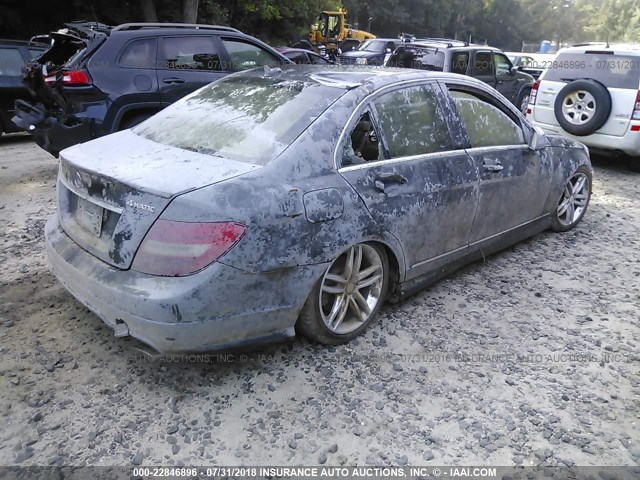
<point x="503" y="23"/>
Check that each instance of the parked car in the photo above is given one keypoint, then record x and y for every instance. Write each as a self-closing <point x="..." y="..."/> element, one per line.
<point x="97" y="79"/>
<point x="14" y="54"/>
<point x="302" y="56"/>
<point x="370" y="52"/>
<point x="526" y="63"/>
<point x="299" y="200"/>
<point x="592" y="93"/>
<point x="485" y="63"/>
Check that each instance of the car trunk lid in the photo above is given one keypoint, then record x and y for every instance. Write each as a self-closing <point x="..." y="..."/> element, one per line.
<point x="111" y="190"/>
<point x="619" y="73"/>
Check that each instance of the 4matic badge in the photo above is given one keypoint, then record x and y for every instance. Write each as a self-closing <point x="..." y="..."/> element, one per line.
<point x="141" y="206"/>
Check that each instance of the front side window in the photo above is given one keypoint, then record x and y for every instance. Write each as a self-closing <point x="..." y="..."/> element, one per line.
<point x="502" y="63"/>
<point x="250" y="119"/>
<point x="486" y="125"/>
<point x="460" y="62"/>
<point x="10" y="62"/>
<point x="190" y="53"/>
<point x="245" y="56"/>
<point x="139" y="53"/>
<point x="412" y="122"/>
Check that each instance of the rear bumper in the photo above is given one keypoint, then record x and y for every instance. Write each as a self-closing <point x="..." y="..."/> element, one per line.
<point x="48" y="131"/>
<point x="219" y="308"/>
<point x="628" y="144"/>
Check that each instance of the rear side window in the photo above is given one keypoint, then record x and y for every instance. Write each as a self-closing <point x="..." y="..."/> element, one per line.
<point x="483" y="64"/>
<point x="613" y="71"/>
<point x="11" y="62"/>
<point x="486" y="125"/>
<point x="190" y="53"/>
<point x="245" y="56"/>
<point x="460" y="62"/>
<point x="35" y="52"/>
<point x="412" y="122"/>
<point x="419" y="58"/>
<point x="139" y="53"/>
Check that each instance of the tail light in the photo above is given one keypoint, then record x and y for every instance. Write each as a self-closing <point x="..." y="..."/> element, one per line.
<point x="534" y="92"/>
<point x="73" y="78"/>
<point x="178" y="249"/>
<point x="636" y="108"/>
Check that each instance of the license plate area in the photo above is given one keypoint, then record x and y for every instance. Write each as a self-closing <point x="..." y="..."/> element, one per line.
<point x="89" y="216"/>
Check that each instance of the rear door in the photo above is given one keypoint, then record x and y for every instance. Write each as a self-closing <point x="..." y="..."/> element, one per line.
<point x="514" y="180"/>
<point x="620" y="73"/>
<point x="400" y="158"/>
<point x="12" y="59"/>
<point x="482" y="67"/>
<point x="186" y="63"/>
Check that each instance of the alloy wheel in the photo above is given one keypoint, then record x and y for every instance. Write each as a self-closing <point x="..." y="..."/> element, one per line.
<point x="574" y="200"/>
<point x="524" y="104"/>
<point x="579" y="107"/>
<point x="351" y="289"/>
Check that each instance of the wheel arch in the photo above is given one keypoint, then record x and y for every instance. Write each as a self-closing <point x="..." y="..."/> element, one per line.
<point x="131" y="110"/>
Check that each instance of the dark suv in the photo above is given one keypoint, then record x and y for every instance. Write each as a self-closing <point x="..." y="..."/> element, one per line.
<point x="14" y="54"/>
<point x="97" y="79"/>
<point x="370" y="52"/>
<point x="485" y="63"/>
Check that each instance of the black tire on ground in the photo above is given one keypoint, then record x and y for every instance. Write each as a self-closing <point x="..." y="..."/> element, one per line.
<point x="556" y="224"/>
<point x="131" y="121"/>
<point x="602" y="107"/>
<point x="634" y="164"/>
<point x="521" y="96"/>
<point x="310" y="323"/>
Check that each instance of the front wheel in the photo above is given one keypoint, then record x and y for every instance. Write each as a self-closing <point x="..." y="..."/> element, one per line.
<point x="347" y="298"/>
<point x="573" y="201"/>
<point x="523" y="100"/>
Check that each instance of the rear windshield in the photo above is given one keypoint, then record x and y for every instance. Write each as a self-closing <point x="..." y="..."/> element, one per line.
<point x="613" y="71"/>
<point x="422" y="58"/>
<point x="249" y="119"/>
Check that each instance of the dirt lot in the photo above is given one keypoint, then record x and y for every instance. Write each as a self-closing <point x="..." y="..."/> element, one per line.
<point x="531" y="358"/>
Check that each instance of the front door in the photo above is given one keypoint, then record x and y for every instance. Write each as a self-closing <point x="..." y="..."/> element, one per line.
<point x="401" y="160"/>
<point x="507" y="83"/>
<point x="514" y="180"/>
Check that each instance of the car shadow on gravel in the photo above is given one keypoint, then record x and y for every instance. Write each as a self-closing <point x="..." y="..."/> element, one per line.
<point x="14" y="138"/>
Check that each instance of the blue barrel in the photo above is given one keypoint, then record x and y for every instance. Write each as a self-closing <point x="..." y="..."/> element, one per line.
<point x="545" y="46"/>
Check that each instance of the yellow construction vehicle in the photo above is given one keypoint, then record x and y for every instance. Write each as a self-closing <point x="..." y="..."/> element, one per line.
<point x="332" y="28"/>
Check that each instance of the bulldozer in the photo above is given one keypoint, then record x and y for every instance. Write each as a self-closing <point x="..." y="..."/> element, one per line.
<point x="332" y="28"/>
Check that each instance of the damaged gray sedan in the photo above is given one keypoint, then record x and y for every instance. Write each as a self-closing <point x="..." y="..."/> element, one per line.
<point x="299" y="200"/>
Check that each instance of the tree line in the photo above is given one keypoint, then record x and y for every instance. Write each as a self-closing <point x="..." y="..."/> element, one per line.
<point x="501" y="23"/>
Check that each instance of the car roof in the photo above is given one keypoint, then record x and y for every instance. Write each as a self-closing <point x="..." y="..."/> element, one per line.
<point x="621" y="49"/>
<point x="354" y="76"/>
<point x="447" y="44"/>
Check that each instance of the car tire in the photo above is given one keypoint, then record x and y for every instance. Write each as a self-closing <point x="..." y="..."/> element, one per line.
<point x="582" y="107"/>
<point x="573" y="202"/>
<point x="634" y="164"/>
<point x="522" y="102"/>
<point x="131" y="121"/>
<point x="338" y="310"/>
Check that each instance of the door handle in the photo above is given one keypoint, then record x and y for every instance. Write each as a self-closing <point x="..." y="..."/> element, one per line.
<point x="173" y="80"/>
<point x="493" y="167"/>
<point x="383" y="181"/>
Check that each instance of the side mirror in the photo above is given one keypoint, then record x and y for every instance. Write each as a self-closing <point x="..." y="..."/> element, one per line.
<point x="538" y="140"/>
<point x="513" y="70"/>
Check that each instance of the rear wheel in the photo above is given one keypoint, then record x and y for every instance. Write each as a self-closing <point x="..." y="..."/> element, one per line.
<point x="347" y="298"/>
<point x="573" y="201"/>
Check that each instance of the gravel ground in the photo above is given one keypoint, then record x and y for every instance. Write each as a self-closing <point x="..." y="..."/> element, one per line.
<point x="531" y="358"/>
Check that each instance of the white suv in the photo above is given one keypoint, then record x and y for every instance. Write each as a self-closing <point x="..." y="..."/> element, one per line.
<point x="592" y="94"/>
